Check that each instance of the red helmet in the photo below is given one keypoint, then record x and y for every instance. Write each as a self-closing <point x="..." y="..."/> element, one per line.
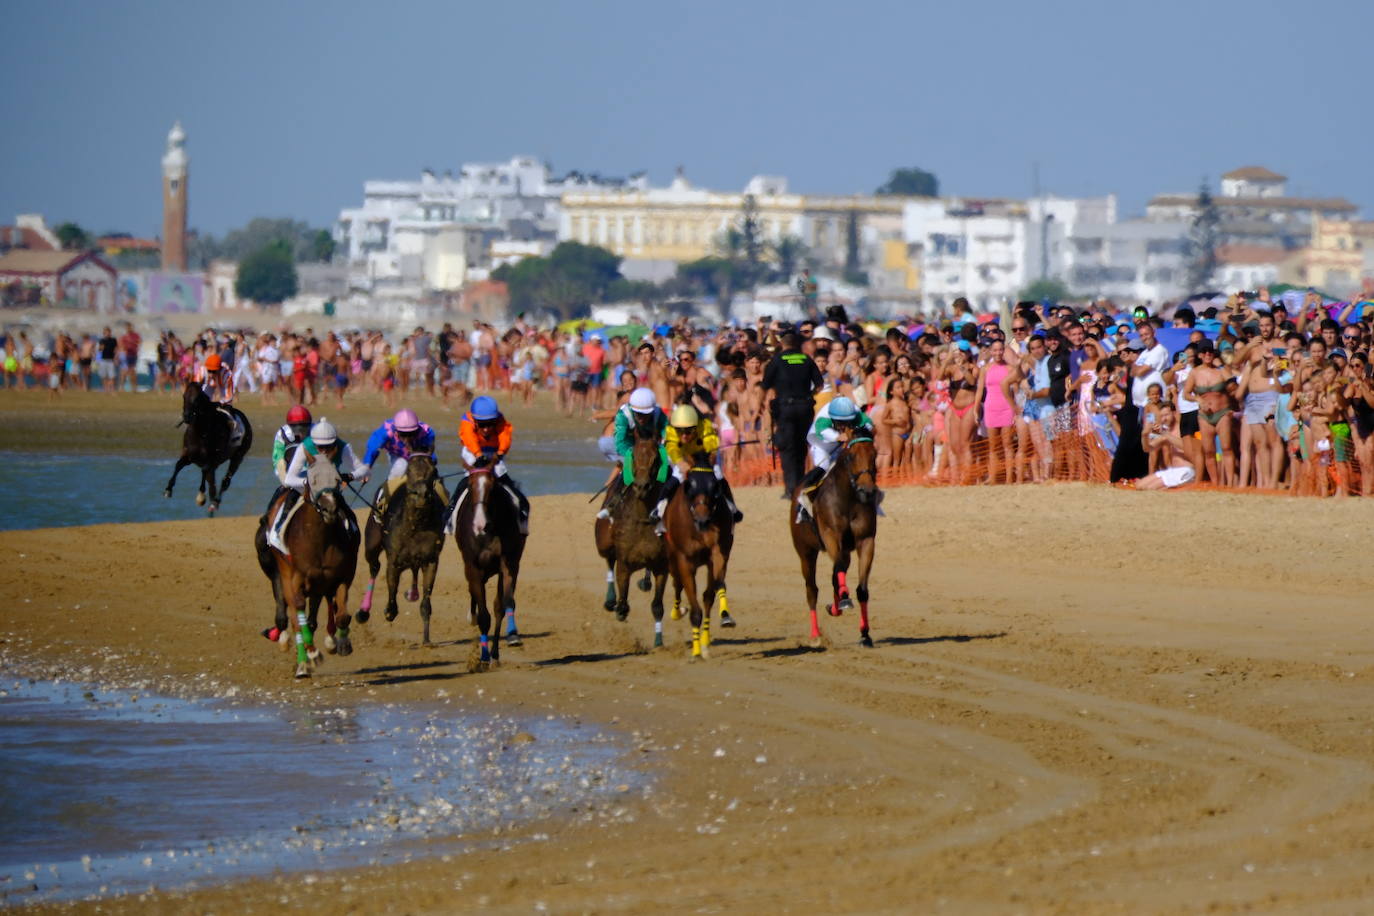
<point x="297" y="414"/>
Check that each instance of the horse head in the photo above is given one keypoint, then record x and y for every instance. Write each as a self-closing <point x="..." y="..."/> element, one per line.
<point x="420" y="474"/>
<point x="861" y="463"/>
<point x="322" y="486"/>
<point x="644" y="460"/>
<point x="481" y="484"/>
<point x="702" y="491"/>
<point x="193" y="401"/>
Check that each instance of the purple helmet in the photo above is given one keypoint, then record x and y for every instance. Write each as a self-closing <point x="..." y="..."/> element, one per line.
<point x="405" y="421"/>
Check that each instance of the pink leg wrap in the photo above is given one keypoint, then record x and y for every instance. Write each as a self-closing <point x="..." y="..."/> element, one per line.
<point x="863" y="616"/>
<point x="815" y="625"/>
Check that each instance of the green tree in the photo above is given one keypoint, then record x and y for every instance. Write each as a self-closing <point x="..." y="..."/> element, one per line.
<point x="788" y="253"/>
<point x="1045" y="288"/>
<point x="73" y="237"/>
<point x="322" y="246"/>
<point x="751" y="238"/>
<point x="852" y="271"/>
<point x="268" y="275"/>
<point x="912" y="182"/>
<point x="1204" y="238"/>
<point x="569" y="280"/>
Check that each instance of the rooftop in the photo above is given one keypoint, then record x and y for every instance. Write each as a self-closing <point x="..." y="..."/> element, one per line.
<point x="42" y="262"/>
<point x="1254" y="173"/>
<point x="1272" y="203"/>
<point x="1250" y="254"/>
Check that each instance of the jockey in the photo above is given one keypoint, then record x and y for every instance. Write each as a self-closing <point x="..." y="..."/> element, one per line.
<point x="638" y="419"/>
<point x="216" y="381"/>
<point x="835" y="424"/>
<point x="486" y="437"/>
<point x="691" y="441"/>
<point x="323" y="441"/>
<point x="291" y="434"/>
<point x="400" y="437"/>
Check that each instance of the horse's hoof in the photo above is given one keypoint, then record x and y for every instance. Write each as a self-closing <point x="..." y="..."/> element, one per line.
<point x="345" y="646"/>
<point x="658" y="640"/>
<point x="622" y="616"/>
<point x="609" y="605"/>
<point x="314" y="655"/>
<point x="646" y="583"/>
<point x="675" y="613"/>
<point x="833" y="611"/>
<point x="726" y="620"/>
<point x="815" y="642"/>
<point x="302" y="671"/>
<point x="363" y="615"/>
<point x="330" y="645"/>
<point x="390" y="614"/>
<point x="284" y="640"/>
<point x="167" y="494"/>
<point x="413" y="595"/>
<point x="513" y="639"/>
<point x="866" y="641"/>
<point x="214" y="507"/>
<point x="846" y="604"/>
<point x="200" y="499"/>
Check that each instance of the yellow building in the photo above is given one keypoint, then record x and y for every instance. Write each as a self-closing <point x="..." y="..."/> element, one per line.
<point x="682" y="223"/>
<point x="1332" y="262"/>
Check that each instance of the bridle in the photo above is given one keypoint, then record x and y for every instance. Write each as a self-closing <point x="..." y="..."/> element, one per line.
<point x="853" y="477"/>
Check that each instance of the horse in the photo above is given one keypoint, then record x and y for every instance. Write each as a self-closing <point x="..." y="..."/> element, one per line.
<point x="206" y="443"/>
<point x="412" y="534"/>
<point x="844" y="524"/>
<point x="322" y="537"/>
<point x="486" y="526"/>
<point x="627" y="540"/>
<point x="700" y="530"/>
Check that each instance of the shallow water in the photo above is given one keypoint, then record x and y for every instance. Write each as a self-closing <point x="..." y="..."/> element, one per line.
<point x="39" y="490"/>
<point x="107" y="791"/>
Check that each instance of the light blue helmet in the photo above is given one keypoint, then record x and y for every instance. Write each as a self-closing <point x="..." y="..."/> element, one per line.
<point x="843" y="409"/>
<point x="484" y="408"/>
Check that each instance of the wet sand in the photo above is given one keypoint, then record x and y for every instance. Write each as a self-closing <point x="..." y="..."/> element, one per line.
<point x="1083" y="699"/>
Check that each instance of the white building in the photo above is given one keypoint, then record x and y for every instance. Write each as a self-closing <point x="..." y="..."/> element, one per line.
<point x="1134" y="261"/>
<point x="421" y="234"/>
<point x="1248" y="266"/>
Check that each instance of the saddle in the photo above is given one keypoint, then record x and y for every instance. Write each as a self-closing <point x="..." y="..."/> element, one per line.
<point x="235" y="419"/>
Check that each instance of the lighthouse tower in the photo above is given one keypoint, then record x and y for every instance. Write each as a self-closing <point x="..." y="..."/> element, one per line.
<point x="174" y="163"/>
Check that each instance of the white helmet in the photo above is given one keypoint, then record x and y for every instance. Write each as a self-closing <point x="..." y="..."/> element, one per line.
<point x="642" y="400"/>
<point x="324" y="433"/>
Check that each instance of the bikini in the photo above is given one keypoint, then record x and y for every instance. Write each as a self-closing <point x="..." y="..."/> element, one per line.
<point x="1211" y="416"/>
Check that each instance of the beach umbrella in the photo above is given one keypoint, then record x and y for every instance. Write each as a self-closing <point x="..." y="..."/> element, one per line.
<point x="577" y="325"/>
<point x="635" y="332"/>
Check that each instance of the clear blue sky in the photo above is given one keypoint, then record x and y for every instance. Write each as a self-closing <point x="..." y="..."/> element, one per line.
<point x="289" y="107"/>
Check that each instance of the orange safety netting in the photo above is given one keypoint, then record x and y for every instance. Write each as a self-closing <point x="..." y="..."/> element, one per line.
<point x="1070" y="457"/>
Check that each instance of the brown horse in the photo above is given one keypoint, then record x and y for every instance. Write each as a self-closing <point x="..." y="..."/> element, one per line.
<point x="487" y="528"/>
<point x="322" y="538"/>
<point x="700" y="530"/>
<point x="207" y="443"/>
<point x="412" y="535"/>
<point x="627" y="540"/>
<point x="845" y="523"/>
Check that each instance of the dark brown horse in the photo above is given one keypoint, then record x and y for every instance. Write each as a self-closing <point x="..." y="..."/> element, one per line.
<point x="627" y="540"/>
<point x="322" y="537"/>
<point x="700" y="532"/>
<point x="845" y="523"/>
<point x="207" y="443"/>
<point x="487" y="528"/>
<point x="412" y="534"/>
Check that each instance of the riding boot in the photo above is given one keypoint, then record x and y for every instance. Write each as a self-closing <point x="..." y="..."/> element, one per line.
<point x="522" y="504"/>
<point x="805" y="506"/>
<point x="379" y="504"/>
<point x="274" y="532"/>
<point x="614" y="491"/>
<point x="728" y="495"/>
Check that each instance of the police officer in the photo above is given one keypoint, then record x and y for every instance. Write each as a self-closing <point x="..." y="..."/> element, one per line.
<point x="793" y="378"/>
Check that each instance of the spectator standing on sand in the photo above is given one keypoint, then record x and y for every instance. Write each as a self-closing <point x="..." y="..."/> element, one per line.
<point x="107" y="350"/>
<point x="129" y="343"/>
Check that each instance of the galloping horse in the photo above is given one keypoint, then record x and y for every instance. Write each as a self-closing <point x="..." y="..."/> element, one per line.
<point x="627" y="540"/>
<point x="412" y="534"/>
<point x="322" y="537"/>
<point x="845" y="522"/>
<point x="700" y="532"/>
<point x="206" y="443"/>
<point x="487" y="528"/>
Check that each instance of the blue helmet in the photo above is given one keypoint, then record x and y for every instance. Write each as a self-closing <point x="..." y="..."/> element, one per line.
<point x="484" y="408"/>
<point x="843" y="409"/>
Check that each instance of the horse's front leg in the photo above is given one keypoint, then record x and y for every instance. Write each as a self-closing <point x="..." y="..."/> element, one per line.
<point x="393" y="582"/>
<point x="429" y="572"/>
<point x="510" y="572"/>
<point x="372" y="551"/>
<point x="340" y="620"/>
<point x="477" y="591"/>
<point x="312" y="623"/>
<point x="864" y="549"/>
<point x="622" y="589"/>
<point x="685" y="577"/>
<point x="182" y="462"/>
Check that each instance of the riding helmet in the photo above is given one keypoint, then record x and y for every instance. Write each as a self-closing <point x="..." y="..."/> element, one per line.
<point x="212" y="363"/>
<point x="484" y="408"/>
<point x="684" y="416"/>
<point x="642" y="400"/>
<point x="323" y="433"/>
<point x="297" y="414"/>
<point x="405" y="421"/>
<point x="842" y="409"/>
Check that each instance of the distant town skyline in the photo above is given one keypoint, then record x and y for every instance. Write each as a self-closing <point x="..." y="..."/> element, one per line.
<point x="288" y="109"/>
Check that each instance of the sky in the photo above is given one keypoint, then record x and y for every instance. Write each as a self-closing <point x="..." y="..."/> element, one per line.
<point x="290" y="107"/>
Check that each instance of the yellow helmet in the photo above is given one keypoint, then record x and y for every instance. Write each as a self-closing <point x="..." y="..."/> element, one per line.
<point x="684" y="416"/>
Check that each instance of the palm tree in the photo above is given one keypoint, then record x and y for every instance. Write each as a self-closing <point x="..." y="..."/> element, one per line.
<point x="788" y="251"/>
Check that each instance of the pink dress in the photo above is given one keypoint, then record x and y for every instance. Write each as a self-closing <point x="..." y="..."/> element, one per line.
<point x="997" y="411"/>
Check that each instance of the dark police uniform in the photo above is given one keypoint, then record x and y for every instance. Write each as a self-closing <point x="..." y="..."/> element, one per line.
<point x="794" y="379"/>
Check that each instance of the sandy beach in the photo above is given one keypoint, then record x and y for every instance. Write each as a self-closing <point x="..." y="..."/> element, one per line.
<point x="1082" y="699"/>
